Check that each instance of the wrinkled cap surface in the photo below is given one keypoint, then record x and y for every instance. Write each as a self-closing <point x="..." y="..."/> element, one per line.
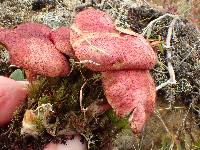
<point x="33" y="29"/>
<point x="12" y="94"/>
<point x="130" y="93"/>
<point x="93" y="20"/>
<point x="109" y="49"/>
<point x="30" y="48"/>
<point x="61" y="39"/>
<point x="114" y="51"/>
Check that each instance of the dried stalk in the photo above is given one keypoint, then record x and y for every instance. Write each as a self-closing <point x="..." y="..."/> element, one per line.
<point x="81" y="98"/>
<point x="87" y="62"/>
<point x="152" y="23"/>
<point x="170" y="32"/>
<point x="172" y="79"/>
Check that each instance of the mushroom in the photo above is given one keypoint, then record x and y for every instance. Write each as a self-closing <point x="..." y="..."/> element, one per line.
<point x="124" y="61"/>
<point x="130" y="92"/>
<point x="60" y="37"/>
<point x="109" y="49"/>
<point x="30" y="47"/>
<point x="33" y="29"/>
<point x="93" y="20"/>
<point x="12" y="94"/>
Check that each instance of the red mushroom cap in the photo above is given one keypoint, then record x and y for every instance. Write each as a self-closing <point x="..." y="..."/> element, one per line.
<point x="90" y="21"/>
<point x="130" y="93"/>
<point x="93" y="20"/>
<point x="126" y="59"/>
<point x="12" y="94"/>
<point x="113" y="51"/>
<point x="31" y="49"/>
<point x="33" y="29"/>
<point x="61" y="39"/>
<point x="97" y="41"/>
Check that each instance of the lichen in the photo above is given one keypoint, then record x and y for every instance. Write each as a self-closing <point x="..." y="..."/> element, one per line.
<point x="185" y="54"/>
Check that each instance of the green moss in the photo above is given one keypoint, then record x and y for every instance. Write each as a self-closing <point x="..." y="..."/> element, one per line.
<point x="120" y="123"/>
<point x="43" y="100"/>
<point x="64" y="93"/>
<point x="38" y="122"/>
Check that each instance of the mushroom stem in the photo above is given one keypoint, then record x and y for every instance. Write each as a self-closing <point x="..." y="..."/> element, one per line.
<point x="25" y="83"/>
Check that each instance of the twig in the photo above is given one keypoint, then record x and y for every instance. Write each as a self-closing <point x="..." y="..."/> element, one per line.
<point x="151" y="24"/>
<point x="87" y="62"/>
<point x="12" y="66"/>
<point x="72" y="62"/>
<point x="169" y="133"/>
<point x="44" y="107"/>
<point x="142" y="138"/>
<point x="168" y="108"/>
<point x="162" y="85"/>
<point x="159" y="116"/>
<point x="89" y="140"/>
<point x="146" y="2"/>
<point x="193" y="48"/>
<point x="168" y="46"/>
<point x="170" y="33"/>
<point x="184" y="119"/>
<point x="160" y="71"/>
<point x="81" y="98"/>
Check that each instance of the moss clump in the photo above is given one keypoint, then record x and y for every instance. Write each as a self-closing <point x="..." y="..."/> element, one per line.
<point x="97" y="127"/>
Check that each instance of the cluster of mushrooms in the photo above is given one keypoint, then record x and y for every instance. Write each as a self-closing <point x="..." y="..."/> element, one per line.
<point x="124" y="61"/>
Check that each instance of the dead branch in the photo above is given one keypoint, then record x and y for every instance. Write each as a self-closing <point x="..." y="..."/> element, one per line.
<point x="168" y="46"/>
<point x="172" y="79"/>
<point x="87" y="62"/>
<point x="153" y="22"/>
<point x="166" y="128"/>
<point x="81" y="98"/>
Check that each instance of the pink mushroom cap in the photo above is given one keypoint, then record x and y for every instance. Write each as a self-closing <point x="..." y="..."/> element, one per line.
<point x="61" y="39"/>
<point x="12" y="94"/>
<point x="30" y="48"/>
<point x="130" y="93"/>
<point x="93" y="20"/>
<point x="124" y="61"/>
<point x="105" y="50"/>
<point x="113" y="51"/>
<point x="33" y="29"/>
